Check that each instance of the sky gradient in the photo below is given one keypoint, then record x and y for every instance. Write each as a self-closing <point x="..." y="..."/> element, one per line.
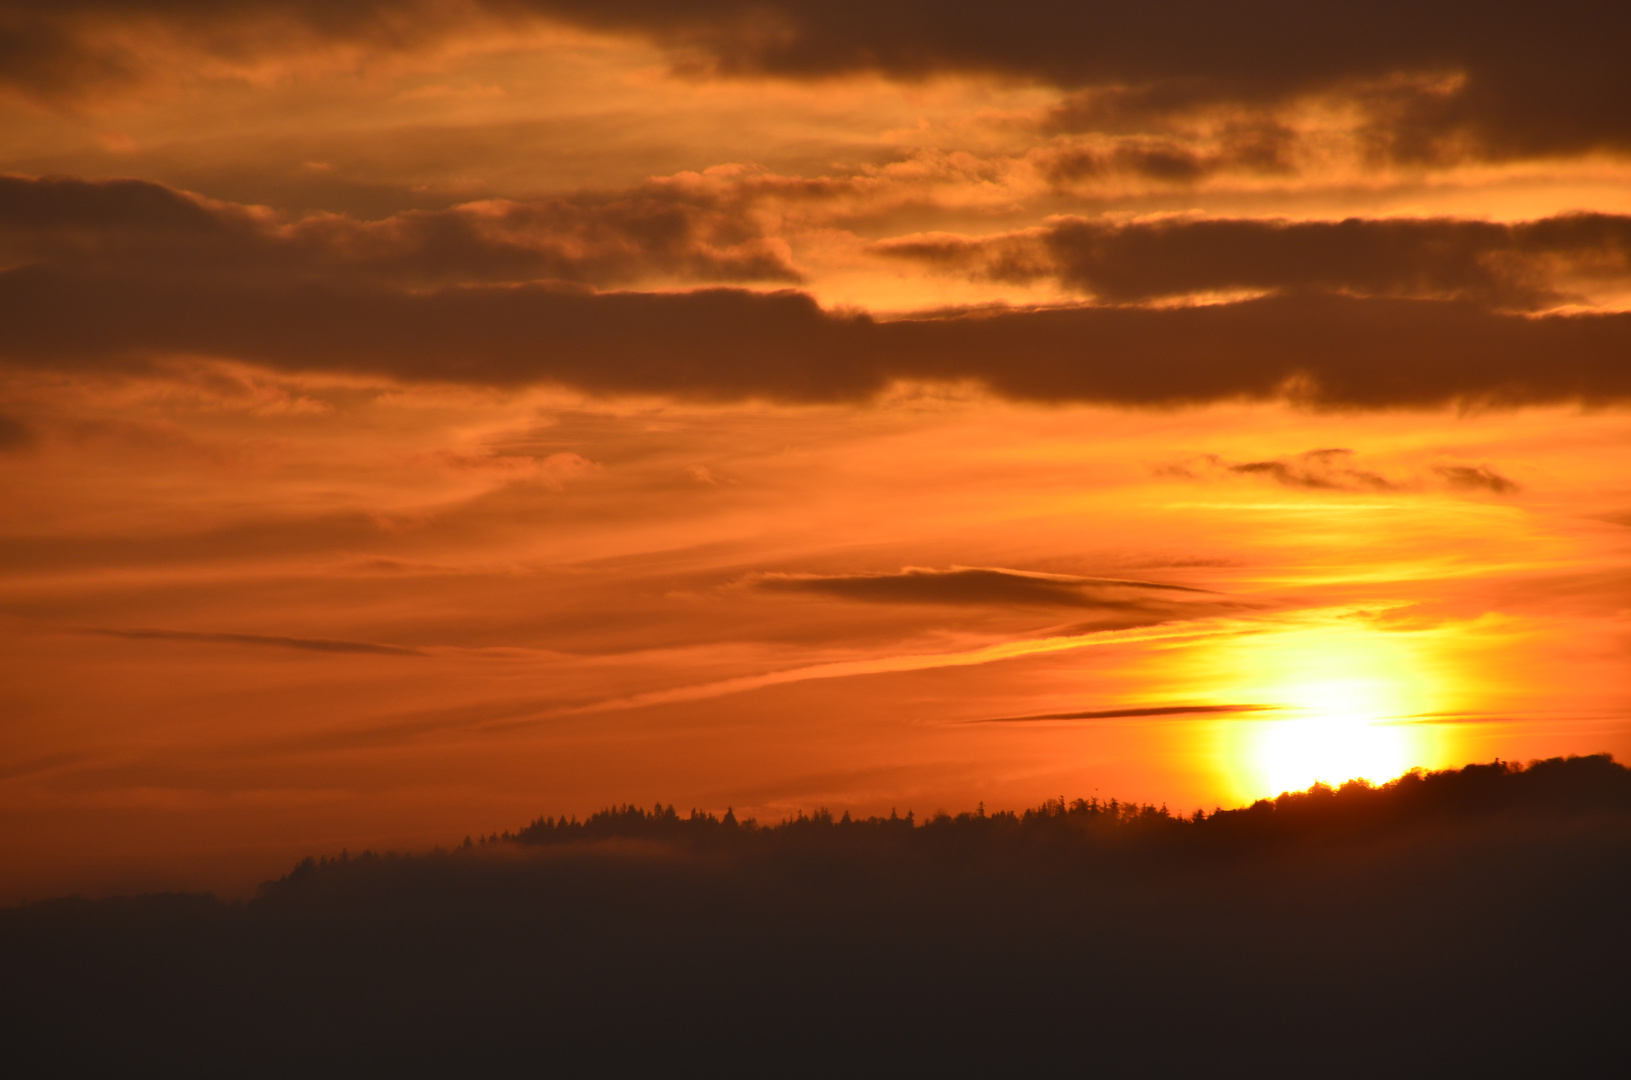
<point x="416" y="418"/>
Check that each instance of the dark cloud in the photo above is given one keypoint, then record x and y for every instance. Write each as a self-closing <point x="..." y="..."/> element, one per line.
<point x="1507" y="79"/>
<point x="1117" y="714"/>
<point x="1320" y="469"/>
<point x="1334" y="469"/>
<point x="661" y="229"/>
<point x="1503" y="80"/>
<point x="724" y="344"/>
<point x="125" y="272"/>
<point x="1108" y="603"/>
<point x="1527" y="265"/>
<point x="1257" y="147"/>
<point x="977" y="586"/>
<point x="64" y="52"/>
<point x="1476" y="478"/>
<point x="309" y="644"/>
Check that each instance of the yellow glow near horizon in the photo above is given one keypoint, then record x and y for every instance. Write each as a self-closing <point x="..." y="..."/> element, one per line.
<point x="1332" y="743"/>
<point x="1341" y="695"/>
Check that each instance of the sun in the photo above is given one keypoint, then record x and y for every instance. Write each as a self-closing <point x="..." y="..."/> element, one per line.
<point x="1340" y="703"/>
<point x="1335" y="730"/>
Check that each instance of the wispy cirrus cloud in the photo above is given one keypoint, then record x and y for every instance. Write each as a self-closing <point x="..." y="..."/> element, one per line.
<point x="320" y="645"/>
<point x="1476" y="478"/>
<point x="979" y="586"/>
<point x="1337" y="469"/>
<point x="1128" y="713"/>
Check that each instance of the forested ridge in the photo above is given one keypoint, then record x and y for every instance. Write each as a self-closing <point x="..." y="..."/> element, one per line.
<point x="1576" y="784"/>
<point x="1441" y="919"/>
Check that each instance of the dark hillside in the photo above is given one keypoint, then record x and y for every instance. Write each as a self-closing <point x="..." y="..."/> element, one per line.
<point x="1473" y="918"/>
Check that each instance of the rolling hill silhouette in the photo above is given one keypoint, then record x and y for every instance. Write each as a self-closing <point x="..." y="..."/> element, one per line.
<point x="1473" y="918"/>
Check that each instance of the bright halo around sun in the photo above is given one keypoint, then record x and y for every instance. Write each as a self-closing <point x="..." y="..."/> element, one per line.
<point x="1340" y="703"/>
<point x="1335" y="730"/>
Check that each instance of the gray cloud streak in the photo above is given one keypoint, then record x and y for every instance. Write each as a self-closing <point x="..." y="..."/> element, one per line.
<point x="980" y="586"/>
<point x="323" y="645"/>
<point x="1116" y="714"/>
<point x="1333" y="469"/>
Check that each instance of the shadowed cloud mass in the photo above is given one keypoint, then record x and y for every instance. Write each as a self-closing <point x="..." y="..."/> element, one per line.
<point x="726" y="344"/>
<point x="125" y="272"/>
<point x="722" y="228"/>
<point x="1498" y="80"/>
<point x="691" y="230"/>
<point x="1525" y="265"/>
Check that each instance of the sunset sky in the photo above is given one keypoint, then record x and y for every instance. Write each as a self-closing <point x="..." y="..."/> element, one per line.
<point x="419" y="417"/>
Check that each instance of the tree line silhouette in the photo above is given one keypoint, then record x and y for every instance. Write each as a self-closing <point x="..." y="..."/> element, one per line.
<point x="1443" y="920"/>
<point x="1572" y="785"/>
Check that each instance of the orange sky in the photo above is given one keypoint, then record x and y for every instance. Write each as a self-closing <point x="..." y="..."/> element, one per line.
<point x="419" y="417"/>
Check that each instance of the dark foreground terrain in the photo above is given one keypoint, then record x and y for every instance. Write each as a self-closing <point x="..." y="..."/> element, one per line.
<point x="1472" y="919"/>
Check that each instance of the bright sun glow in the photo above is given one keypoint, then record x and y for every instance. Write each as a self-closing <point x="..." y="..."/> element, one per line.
<point x="1343" y="699"/>
<point x="1340" y="734"/>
